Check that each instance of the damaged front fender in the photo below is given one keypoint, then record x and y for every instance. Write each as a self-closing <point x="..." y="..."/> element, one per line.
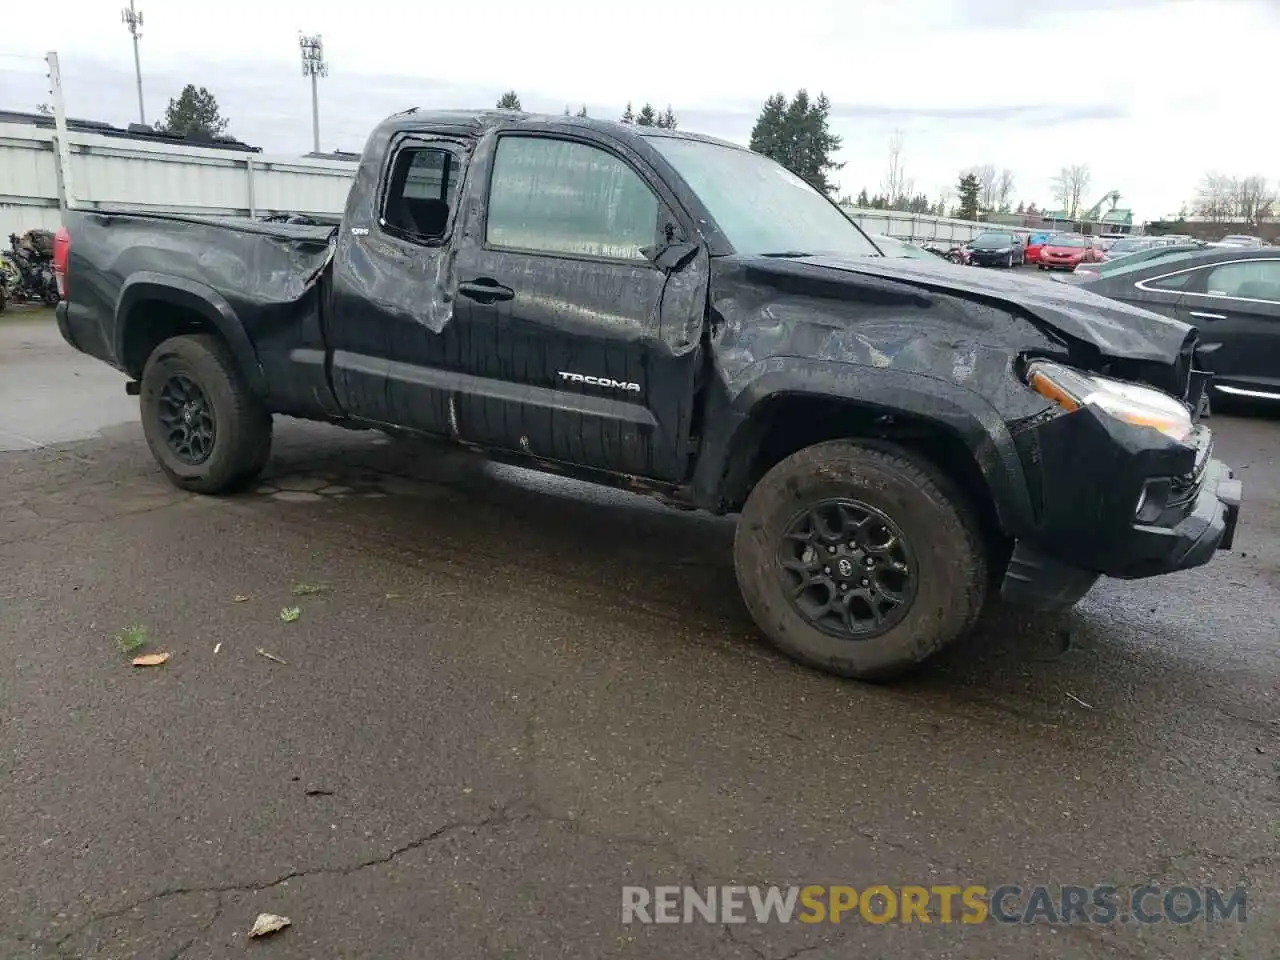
<point x="880" y="401"/>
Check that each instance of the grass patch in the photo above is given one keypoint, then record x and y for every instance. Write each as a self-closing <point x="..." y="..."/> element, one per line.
<point x="132" y="638"/>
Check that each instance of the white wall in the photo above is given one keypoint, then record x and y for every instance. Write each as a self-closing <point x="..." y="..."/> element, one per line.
<point x="119" y="173"/>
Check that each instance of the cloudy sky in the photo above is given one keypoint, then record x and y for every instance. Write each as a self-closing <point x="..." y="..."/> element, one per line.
<point x="1150" y="94"/>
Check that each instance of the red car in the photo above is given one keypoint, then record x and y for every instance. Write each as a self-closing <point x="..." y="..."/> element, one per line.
<point x="1067" y="251"/>
<point x="1035" y="243"/>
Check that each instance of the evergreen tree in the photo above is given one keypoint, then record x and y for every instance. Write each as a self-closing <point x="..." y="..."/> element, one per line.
<point x="582" y="112"/>
<point x="627" y="115"/>
<point x="798" y="136"/>
<point x="667" y="119"/>
<point x="647" y="117"/>
<point x="768" y="136"/>
<point x="863" y="200"/>
<point x="969" y="188"/>
<point x="194" y="111"/>
<point x="509" y="101"/>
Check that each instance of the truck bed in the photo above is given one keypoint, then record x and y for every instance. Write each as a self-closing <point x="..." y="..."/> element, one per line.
<point x="260" y="278"/>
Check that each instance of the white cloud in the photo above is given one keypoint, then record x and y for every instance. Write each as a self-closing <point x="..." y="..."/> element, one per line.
<point x="1149" y="93"/>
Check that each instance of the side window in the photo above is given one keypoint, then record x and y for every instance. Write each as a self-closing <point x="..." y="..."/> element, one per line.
<point x="1178" y="281"/>
<point x="1248" y="280"/>
<point x="421" y="192"/>
<point x="558" y="196"/>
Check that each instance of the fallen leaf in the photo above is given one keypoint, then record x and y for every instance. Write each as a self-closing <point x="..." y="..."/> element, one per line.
<point x="240" y="598"/>
<point x="217" y="647"/>
<point x="290" y="614"/>
<point x="319" y="793"/>
<point x="1087" y="706"/>
<point x="393" y="596"/>
<point x="307" y="589"/>
<point x="150" y="659"/>
<point x="271" y="656"/>
<point x="268" y="923"/>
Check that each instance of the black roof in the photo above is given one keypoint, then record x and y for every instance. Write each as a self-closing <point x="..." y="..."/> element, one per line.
<point x="135" y="131"/>
<point x="482" y="120"/>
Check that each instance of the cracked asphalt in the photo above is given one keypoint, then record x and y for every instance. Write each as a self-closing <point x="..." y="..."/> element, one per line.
<point x="515" y="694"/>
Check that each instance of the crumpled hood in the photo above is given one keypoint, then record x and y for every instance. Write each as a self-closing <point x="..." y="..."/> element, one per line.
<point x="1117" y="330"/>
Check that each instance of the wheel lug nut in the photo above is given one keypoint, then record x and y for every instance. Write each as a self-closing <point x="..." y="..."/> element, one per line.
<point x="844" y="586"/>
<point x="866" y="583"/>
<point x="826" y="569"/>
<point x="831" y="549"/>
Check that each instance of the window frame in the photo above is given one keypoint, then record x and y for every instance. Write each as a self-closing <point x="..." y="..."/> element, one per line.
<point x="1198" y="284"/>
<point x="651" y="182"/>
<point x="459" y="153"/>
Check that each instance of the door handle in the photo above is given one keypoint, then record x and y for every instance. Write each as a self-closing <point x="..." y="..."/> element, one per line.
<point x="485" y="290"/>
<point x="1201" y="315"/>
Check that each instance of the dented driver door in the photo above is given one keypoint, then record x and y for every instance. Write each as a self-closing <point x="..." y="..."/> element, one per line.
<point x="578" y="347"/>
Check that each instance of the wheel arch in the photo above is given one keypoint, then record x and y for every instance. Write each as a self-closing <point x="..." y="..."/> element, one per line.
<point x="153" y="307"/>
<point x="784" y="411"/>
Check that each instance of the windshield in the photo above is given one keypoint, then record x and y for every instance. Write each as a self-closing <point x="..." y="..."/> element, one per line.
<point x="760" y="206"/>
<point x="900" y="248"/>
<point x="1066" y="242"/>
<point x="991" y="241"/>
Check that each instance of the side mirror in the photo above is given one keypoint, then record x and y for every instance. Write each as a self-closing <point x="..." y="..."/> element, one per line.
<point x="672" y="252"/>
<point x="669" y="257"/>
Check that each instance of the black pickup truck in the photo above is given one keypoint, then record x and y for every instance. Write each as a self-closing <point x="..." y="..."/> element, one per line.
<point x="681" y="316"/>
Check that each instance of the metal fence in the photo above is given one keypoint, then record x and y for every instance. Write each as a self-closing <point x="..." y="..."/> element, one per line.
<point x="918" y="227"/>
<point x="105" y="172"/>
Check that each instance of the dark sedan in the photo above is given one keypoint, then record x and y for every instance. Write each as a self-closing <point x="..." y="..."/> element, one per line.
<point x="995" y="248"/>
<point x="1231" y="295"/>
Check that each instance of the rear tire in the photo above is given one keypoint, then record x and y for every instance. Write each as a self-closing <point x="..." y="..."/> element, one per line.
<point x="241" y="425"/>
<point x="936" y="525"/>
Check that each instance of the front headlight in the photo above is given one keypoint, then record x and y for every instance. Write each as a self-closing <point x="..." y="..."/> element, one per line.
<point x="1141" y="406"/>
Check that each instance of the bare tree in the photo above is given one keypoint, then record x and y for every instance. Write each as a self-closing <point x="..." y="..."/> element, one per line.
<point x="1069" y="187"/>
<point x="944" y="200"/>
<point x="1254" y="199"/>
<point x="1217" y="197"/>
<point x="895" y="178"/>
<point x="1004" y="190"/>
<point x="987" y="185"/>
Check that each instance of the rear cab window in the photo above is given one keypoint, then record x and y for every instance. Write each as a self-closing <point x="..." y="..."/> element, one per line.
<point x="421" y="189"/>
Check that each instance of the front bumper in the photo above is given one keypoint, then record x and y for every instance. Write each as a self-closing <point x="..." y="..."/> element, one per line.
<point x="1114" y="500"/>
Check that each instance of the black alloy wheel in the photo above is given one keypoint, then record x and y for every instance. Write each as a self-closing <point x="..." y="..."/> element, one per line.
<point x="850" y="570"/>
<point x="190" y="426"/>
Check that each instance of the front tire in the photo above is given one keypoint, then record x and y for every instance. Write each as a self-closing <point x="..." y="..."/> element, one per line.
<point x="202" y="422"/>
<point x="816" y="575"/>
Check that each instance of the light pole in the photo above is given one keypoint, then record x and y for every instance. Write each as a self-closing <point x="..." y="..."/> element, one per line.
<point x="133" y="20"/>
<point x="313" y="66"/>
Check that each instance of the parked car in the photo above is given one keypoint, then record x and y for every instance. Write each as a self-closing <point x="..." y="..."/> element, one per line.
<point x="1034" y="244"/>
<point x="1231" y="294"/>
<point x="684" y="317"/>
<point x="1128" y="245"/>
<point x="1242" y="240"/>
<point x="1086" y="272"/>
<point x="892" y="247"/>
<point x="1067" y="251"/>
<point x="997" y="248"/>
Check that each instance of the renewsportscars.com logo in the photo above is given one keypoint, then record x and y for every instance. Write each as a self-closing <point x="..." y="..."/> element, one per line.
<point x="943" y="904"/>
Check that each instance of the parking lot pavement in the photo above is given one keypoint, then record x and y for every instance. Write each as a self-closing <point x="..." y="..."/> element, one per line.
<point x="513" y="695"/>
